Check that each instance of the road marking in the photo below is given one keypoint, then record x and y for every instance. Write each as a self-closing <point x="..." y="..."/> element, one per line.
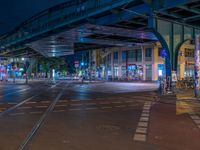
<point x="72" y="109"/>
<point x="139" y="137"/>
<point x="45" y="102"/>
<point x="144" y="115"/>
<point x="10" y="103"/>
<point x="36" y="112"/>
<point x="91" y="108"/>
<point x="30" y="102"/>
<point x="16" y="106"/>
<point x="145" y="111"/>
<point x="15" y="92"/>
<point x="41" y="106"/>
<point x="197" y="122"/>
<point x="63" y="101"/>
<point x="63" y="105"/>
<point x="75" y="104"/>
<point x="143" y="124"/>
<point x="142" y="128"/>
<point x="56" y="111"/>
<point x="194" y="117"/>
<point x="117" y="102"/>
<point x="24" y="107"/>
<point x="91" y="103"/>
<point x="15" y="114"/>
<point x="120" y="106"/>
<point x="106" y="107"/>
<point x="40" y="121"/>
<point x="74" y="100"/>
<point x="144" y="118"/>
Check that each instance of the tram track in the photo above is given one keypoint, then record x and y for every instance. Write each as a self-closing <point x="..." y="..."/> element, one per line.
<point x="12" y="108"/>
<point x="41" y="120"/>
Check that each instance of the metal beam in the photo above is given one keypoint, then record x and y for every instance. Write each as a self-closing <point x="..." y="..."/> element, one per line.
<point x="109" y="42"/>
<point x="192" y="18"/>
<point x="193" y="10"/>
<point x="161" y="5"/>
<point x="129" y="13"/>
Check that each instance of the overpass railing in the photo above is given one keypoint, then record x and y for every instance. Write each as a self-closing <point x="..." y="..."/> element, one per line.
<point x="57" y="17"/>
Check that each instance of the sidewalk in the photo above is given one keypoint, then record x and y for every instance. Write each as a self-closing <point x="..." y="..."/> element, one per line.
<point x="175" y="131"/>
<point x="186" y="94"/>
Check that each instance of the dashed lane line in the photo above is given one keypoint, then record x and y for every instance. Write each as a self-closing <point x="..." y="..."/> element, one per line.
<point x="73" y="109"/>
<point x="63" y="105"/>
<point x="56" y="111"/>
<point x="36" y="112"/>
<point x="41" y="106"/>
<point x="45" y="102"/>
<point x="16" y="114"/>
<point x="24" y="107"/>
<point x="15" y="92"/>
<point x="142" y="128"/>
<point x="16" y="106"/>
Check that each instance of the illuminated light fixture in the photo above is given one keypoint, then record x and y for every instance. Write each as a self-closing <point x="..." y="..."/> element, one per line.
<point x="82" y="63"/>
<point x="53" y="73"/>
<point x="23" y="59"/>
<point x="160" y="73"/>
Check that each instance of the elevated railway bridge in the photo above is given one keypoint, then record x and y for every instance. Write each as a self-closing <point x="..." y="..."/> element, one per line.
<point x="88" y="24"/>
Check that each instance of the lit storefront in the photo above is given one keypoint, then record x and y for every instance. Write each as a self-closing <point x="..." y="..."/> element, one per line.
<point x="137" y="63"/>
<point x="185" y="65"/>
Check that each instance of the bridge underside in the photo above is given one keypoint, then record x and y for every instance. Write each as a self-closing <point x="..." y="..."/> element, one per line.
<point x="108" y="23"/>
<point x="91" y="36"/>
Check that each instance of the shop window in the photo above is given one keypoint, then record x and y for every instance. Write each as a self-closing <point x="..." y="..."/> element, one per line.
<point x="124" y="72"/>
<point x="148" y="72"/>
<point x="116" y="71"/>
<point x="135" y="72"/>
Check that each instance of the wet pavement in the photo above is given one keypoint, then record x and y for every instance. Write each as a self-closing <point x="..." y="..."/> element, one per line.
<point x="97" y="116"/>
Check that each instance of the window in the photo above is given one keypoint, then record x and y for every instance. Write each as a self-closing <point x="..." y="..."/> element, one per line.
<point x="109" y="57"/>
<point x="189" y="52"/>
<point x="138" y="55"/>
<point x="115" y="55"/>
<point x="148" y="72"/>
<point x="124" y="56"/>
<point x="159" y="52"/>
<point x="148" y="54"/>
<point x="116" y="71"/>
<point x="124" y="72"/>
<point x="130" y="54"/>
<point x="135" y="55"/>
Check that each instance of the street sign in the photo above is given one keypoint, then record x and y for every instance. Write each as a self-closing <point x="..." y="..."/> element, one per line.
<point x="76" y="64"/>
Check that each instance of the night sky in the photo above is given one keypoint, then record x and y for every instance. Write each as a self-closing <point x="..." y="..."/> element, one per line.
<point x="14" y="12"/>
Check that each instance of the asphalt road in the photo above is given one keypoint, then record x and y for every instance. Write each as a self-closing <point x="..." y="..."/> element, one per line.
<point x="67" y="115"/>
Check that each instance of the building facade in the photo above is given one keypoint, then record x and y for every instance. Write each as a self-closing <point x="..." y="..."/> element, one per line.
<point x="133" y="63"/>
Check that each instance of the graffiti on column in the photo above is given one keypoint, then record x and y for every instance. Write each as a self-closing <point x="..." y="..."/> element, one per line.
<point x="196" y="65"/>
